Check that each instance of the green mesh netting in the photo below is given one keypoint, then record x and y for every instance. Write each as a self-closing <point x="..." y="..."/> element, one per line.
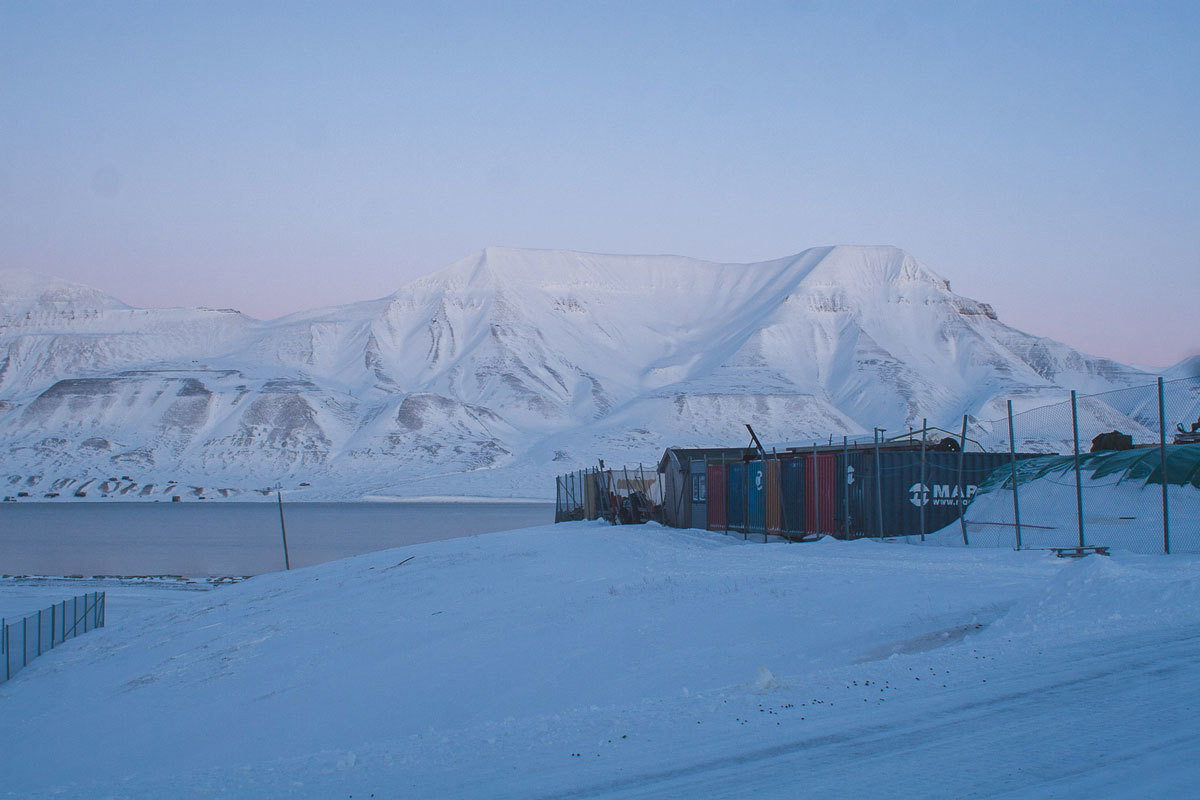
<point x="1144" y="464"/>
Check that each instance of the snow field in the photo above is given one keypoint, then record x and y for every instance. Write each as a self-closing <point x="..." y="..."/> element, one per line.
<point x="585" y="660"/>
<point x="1124" y="516"/>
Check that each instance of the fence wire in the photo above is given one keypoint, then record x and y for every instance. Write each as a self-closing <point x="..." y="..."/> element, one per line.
<point x="1101" y="480"/>
<point x="34" y="635"/>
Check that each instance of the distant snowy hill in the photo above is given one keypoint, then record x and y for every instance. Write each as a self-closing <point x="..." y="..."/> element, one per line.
<point x="499" y="371"/>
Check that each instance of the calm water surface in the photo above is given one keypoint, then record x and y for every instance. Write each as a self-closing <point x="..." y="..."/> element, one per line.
<point x="201" y="539"/>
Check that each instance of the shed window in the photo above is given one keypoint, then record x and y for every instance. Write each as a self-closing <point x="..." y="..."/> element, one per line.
<point x="699" y="488"/>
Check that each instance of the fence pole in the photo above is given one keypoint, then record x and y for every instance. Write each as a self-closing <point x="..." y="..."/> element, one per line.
<point x="783" y="526"/>
<point x="816" y="492"/>
<point x="74" y="617"/>
<point x="287" y="562"/>
<point x="53" y="632"/>
<point x="762" y="476"/>
<point x="1162" y="456"/>
<point x="962" y="498"/>
<point x="725" y="478"/>
<point x="745" y="500"/>
<point x="24" y="641"/>
<point x="4" y="645"/>
<point x="846" y="487"/>
<point x="1078" y="475"/>
<point x="1012" y="453"/>
<point x="878" y="483"/>
<point x="924" y="489"/>
<point x="39" y="631"/>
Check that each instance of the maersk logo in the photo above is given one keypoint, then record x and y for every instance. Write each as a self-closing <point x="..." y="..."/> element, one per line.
<point x="943" y="494"/>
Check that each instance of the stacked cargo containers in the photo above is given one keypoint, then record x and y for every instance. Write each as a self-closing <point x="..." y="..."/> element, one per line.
<point x="831" y="492"/>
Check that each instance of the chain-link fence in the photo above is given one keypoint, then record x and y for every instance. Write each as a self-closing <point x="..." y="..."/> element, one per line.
<point x="622" y="495"/>
<point x="25" y="639"/>
<point x="1119" y="469"/>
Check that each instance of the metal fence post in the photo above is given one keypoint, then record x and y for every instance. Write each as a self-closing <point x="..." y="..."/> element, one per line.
<point x="1162" y="456"/>
<point x="287" y="561"/>
<point x="745" y="499"/>
<point x="924" y="489"/>
<point x="878" y="484"/>
<point x="846" y="488"/>
<point x="962" y="498"/>
<point x="1012" y="452"/>
<point x="725" y="478"/>
<point x="1078" y="475"/>
<point x="53" y="631"/>
<point x="39" y="631"/>
<point x="816" y="492"/>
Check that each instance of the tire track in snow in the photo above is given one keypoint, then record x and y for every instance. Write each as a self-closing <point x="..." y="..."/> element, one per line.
<point x="1122" y="707"/>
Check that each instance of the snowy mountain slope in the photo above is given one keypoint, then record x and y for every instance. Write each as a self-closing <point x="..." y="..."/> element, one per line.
<point x="517" y="363"/>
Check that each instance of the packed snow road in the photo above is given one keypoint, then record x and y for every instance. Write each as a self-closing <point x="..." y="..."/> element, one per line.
<point x="581" y="660"/>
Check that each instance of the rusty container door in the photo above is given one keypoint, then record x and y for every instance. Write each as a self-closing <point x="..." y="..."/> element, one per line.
<point x="772" y="499"/>
<point x="716" y="497"/>
<point x="820" y="493"/>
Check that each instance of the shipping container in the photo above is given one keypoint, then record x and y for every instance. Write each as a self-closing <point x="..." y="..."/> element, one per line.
<point x="755" y="498"/>
<point x="737" y="513"/>
<point x="791" y="480"/>
<point x="716" y="498"/>
<point x="820" y="493"/>
<point x="911" y="500"/>
<point x="771" y="488"/>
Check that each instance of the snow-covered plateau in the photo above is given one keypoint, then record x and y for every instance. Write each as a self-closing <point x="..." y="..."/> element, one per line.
<point x="582" y="660"/>
<point x="496" y="373"/>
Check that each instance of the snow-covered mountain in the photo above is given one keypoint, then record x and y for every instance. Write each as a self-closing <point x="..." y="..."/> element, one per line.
<point x="499" y="371"/>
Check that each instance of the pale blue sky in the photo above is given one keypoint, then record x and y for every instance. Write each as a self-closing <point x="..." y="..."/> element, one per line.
<point x="278" y="156"/>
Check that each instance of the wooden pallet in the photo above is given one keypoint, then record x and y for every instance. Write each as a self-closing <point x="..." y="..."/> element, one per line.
<point x="1076" y="552"/>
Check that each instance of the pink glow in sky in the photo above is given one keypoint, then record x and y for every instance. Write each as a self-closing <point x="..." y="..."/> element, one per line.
<point x="275" y="157"/>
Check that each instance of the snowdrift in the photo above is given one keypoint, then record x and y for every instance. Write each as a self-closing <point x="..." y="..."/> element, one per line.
<point x="584" y="660"/>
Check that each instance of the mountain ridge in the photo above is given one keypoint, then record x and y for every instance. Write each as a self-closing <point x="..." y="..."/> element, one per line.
<point x="506" y="367"/>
